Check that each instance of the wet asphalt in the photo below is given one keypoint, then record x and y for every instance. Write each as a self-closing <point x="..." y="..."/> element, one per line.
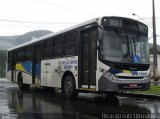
<point x="45" y="104"/>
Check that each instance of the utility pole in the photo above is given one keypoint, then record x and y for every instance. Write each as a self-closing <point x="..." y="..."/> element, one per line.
<point x="155" y="70"/>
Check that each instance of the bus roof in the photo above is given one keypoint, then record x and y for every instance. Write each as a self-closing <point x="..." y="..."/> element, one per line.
<point x="98" y="20"/>
<point x="53" y="34"/>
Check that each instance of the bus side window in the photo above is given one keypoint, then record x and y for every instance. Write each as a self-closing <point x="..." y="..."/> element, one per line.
<point x="28" y="54"/>
<point x="71" y="43"/>
<point x="59" y="46"/>
<point x="53" y="45"/>
<point x="44" y="49"/>
<point x="21" y="55"/>
<point x="47" y="48"/>
<point x="9" y="60"/>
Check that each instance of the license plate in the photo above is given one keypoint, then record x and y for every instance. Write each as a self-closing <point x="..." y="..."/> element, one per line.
<point x="133" y="85"/>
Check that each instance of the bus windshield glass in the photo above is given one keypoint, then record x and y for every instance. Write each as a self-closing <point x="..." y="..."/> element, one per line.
<point x="125" y="47"/>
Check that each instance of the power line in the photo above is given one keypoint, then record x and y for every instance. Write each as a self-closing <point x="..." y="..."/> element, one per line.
<point x="36" y="22"/>
<point x="25" y="25"/>
<point x="149" y="18"/>
<point x="69" y="9"/>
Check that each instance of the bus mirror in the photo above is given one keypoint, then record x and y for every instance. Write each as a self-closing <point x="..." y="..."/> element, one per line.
<point x="100" y="33"/>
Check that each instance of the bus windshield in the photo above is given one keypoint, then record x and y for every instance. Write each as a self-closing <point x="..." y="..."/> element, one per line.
<point x="125" y="47"/>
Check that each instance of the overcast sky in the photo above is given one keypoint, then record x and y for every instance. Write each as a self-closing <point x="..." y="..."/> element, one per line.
<point x="21" y="16"/>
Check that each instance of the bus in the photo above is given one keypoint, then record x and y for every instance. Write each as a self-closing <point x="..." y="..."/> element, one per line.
<point x="106" y="54"/>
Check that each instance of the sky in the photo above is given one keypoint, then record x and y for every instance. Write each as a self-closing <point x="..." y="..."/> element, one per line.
<point x="20" y="16"/>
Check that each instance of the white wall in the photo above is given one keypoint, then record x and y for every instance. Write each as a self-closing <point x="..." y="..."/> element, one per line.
<point x="158" y="64"/>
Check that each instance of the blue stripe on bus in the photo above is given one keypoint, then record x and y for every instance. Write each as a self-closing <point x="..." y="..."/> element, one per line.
<point x="27" y="66"/>
<point x="38" y="69"/>
<point x="114" y="71"/>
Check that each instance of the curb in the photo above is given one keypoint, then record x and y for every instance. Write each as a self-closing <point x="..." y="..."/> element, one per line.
<point x="140" y="95"/>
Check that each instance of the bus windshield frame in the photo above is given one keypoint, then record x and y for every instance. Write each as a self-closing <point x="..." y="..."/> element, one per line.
<point x="124" y="41"/>
<point x="123" y="47"/>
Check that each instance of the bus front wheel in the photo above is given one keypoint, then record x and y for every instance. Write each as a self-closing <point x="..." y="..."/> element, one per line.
<point x="70" y="88"/>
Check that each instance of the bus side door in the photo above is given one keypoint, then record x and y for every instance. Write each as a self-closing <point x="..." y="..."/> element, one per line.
<point x="88" y="58"/>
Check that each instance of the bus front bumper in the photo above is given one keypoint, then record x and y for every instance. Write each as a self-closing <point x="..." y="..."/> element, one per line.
<point x="105" y="84"/>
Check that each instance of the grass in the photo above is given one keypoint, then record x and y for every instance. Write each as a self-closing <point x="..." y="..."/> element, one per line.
<point x="153" y="90"/>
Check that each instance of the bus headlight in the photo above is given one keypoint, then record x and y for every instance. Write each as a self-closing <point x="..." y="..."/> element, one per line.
<point x="110" y="76"/>
<point x="107" y="74"/>
<point x="147" y="77"/>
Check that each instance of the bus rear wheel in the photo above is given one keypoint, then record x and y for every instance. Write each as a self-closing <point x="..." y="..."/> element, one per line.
<point x="20" y="83"/>
<point x="70" y="88"/>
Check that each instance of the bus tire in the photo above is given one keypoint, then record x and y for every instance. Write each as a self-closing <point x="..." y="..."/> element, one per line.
<point x="70" y="88"/>
<point x="20" y="83"/>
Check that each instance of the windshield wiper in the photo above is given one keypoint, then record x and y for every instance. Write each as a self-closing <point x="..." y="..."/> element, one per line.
<point x="135" y="41"/>
<point x="119" y="35"/>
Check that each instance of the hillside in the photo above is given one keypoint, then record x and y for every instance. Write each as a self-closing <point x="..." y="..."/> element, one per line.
<point x="10" y="41"/>
<point x="7" y="42"/>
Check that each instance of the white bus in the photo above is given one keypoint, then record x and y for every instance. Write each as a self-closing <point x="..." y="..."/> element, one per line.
<point x="107" y="54"/>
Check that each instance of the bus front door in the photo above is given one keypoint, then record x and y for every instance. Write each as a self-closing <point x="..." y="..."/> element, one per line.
<point x="88" y="56"/>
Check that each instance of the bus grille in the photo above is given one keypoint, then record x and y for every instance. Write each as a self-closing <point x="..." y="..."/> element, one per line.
<point x="129" y="77"/>
<point x="132" y="67"/>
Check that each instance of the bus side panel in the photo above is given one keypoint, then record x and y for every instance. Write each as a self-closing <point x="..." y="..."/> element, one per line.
<point x="53" y="70"/>
<point x="47" y="74"/>
<point x="100" y="66"/>
<point x="27" y="78"/>
<point x="26" y="69"/>
<point x="8" y="75"/>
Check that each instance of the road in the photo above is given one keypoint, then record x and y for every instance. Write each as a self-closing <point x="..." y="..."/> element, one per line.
<point x="44" y="104"/>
